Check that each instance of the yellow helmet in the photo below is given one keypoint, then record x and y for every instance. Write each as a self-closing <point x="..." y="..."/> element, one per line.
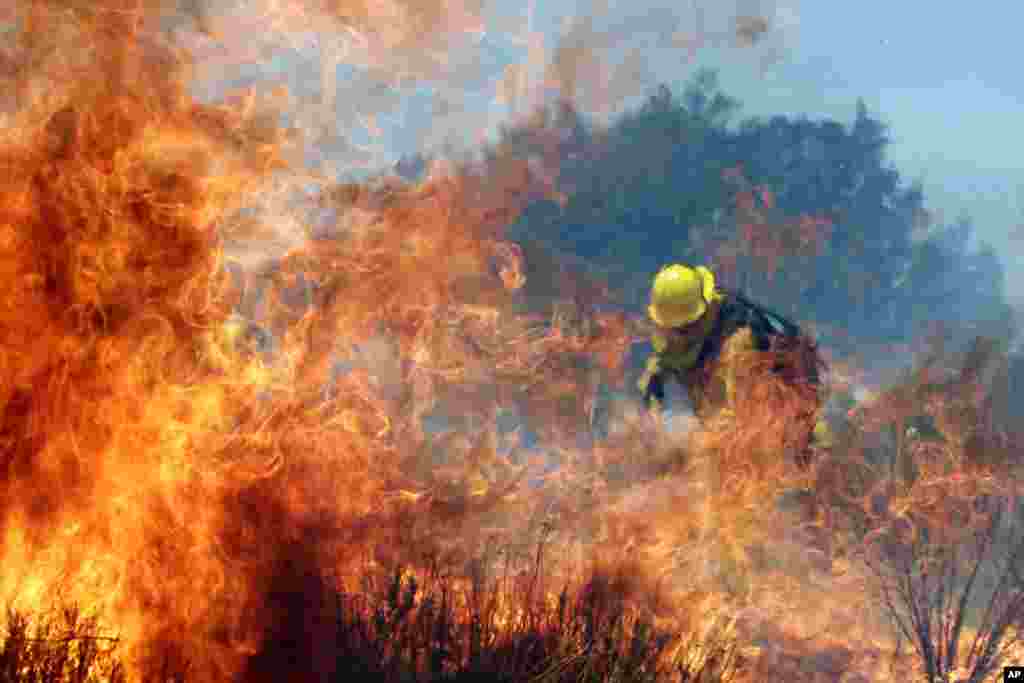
<point x="680" y="295"/>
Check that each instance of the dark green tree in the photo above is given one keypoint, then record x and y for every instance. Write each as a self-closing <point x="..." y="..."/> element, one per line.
<point x="660" y="184"/>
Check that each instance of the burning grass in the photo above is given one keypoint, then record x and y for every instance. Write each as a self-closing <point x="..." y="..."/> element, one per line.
<point x="219" y="448"/>
<point x="48" y="648"/>
<point x="396" y="628"/>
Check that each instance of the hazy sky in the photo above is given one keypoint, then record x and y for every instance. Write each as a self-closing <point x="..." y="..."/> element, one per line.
<point x="943" y="75"/>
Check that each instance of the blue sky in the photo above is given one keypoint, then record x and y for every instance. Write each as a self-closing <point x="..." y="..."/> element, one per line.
<point x="943" y="75"/>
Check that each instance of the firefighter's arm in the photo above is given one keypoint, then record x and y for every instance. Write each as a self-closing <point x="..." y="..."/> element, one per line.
<point x="659" y="340"/>
<point x="651" y="384"/>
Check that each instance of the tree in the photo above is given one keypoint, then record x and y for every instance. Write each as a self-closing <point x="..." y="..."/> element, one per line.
<point x="826" y="169"/>
<point x="660" y="184"/>
<point x="643" y="182"/>
<point x="948" y="282"/>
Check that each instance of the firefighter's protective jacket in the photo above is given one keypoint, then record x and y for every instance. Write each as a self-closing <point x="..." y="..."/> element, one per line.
<point x="704" y="358"/>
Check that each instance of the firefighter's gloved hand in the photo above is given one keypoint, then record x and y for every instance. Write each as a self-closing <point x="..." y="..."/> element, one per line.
<point x="655" y="410"/>
<point x="651" y="368"/>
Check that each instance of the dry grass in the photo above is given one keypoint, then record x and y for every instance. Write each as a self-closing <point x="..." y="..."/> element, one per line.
<point x="400" y="629"/>
<point x="60" y="647"/>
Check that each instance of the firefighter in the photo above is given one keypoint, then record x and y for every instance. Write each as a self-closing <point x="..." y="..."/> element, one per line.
<point x="699" y="332"/>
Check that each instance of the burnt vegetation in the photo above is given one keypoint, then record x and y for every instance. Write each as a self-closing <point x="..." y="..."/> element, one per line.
<point x="312" y="529"/>
<point x="957" y="602"/>
<point x="399" y="629"/>
<point x="939" y="533"/>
